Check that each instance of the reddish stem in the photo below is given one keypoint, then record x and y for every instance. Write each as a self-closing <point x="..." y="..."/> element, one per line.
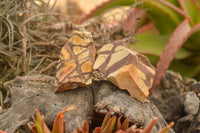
<point x="176" y="9"/>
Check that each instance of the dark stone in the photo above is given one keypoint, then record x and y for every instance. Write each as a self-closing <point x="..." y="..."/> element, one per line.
<point x="196" y="87"/>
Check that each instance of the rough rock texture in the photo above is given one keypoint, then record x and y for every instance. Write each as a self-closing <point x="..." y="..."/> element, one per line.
<point x="185" y="124"/>
<point x="33" y="92"/>
<point x="167" y="96"/>
<point x="107" y="96"/>
<point x="196" y="88"/>
<point x="29" y="93"/>
<point x="191" y="103"/>
<point x="177" y="103"/>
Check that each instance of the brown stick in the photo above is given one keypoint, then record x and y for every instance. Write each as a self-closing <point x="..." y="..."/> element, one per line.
<point x="22" y="31"/>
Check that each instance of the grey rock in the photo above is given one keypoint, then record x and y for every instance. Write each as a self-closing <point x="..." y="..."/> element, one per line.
<point x="167" y="96"/>
<point x="176" y="101"/>
<point x="107" y="96"/>
<point x="29" y="93"/>
<point x="185" y="124"/>
<point x="191" y="103"/>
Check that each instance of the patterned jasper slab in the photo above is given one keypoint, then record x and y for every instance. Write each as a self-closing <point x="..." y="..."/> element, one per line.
<point x="76" y="61"/>
<point x="126" y="68"/>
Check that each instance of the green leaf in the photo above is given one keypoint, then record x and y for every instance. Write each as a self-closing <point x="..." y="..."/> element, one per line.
<point x="110" y="125"/>
<point x="193" y="60"/>
<point x="191" y="10"/>
<point x="40" y="124"/>
<point x="164" y="18"/>
<point x="193" y="42"/>
<point x="152" y="44"/>
<point x="186" y="70"/>
<point x="173" y="2"/>
<point x="197" y="76"/>
<point x="176" y="40"/>
<point x="153" y="59"/>
<point x="39" y="128"/>
<point x="106" y="119"/>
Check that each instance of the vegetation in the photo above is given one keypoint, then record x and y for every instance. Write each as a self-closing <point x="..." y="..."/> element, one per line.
<point x="27" y="45"/>
<point x="174" y="26"/>
<point x="109" y="125"/>
<point x="168" y="33"/>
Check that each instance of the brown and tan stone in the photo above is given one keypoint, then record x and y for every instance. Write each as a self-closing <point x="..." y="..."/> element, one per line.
<point x="126" y="68"/>
<point x="76" y="61"/>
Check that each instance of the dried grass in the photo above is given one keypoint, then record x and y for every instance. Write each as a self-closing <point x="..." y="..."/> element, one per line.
<point x="32" y="35"/>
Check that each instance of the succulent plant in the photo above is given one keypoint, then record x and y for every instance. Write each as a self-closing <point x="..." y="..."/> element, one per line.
<point x="180" y="19"/>
<point x="59" y="123"/>
<point x="109" y="124"/>
<point x="173" y="28"/>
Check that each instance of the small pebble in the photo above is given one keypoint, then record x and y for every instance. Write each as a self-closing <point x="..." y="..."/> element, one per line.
<point x="191" y="103"/>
